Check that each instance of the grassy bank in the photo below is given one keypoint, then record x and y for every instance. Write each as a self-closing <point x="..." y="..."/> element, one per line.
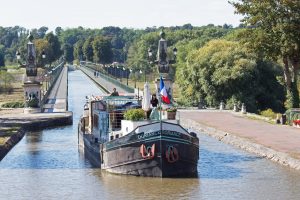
<point x="6" y="133"/>
<point x="16" y="91"/>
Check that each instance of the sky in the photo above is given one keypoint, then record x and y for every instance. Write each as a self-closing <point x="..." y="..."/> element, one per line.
<point x="122" y="13"/>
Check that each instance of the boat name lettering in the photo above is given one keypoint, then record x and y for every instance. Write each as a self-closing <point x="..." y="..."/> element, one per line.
<point x="173" y="133"/>
<point x="149" y="134"/>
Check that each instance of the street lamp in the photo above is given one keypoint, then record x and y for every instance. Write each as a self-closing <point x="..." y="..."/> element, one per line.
<point x="127" y="75"/>
<point x="18" y="55"/>
<point x="43" y="54"/>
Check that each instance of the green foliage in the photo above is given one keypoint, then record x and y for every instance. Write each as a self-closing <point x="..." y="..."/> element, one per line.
<point x="292" y="115"/>
<point x="102" y="50"/>
<point x="16" y="104"/>
<point x="6" y="80"/>
<point x="40" y="45"/>
<point x="225" y="71"/>
<point x="33" y="103"/>
<point x="88" y="49"/>
<point x="55" y="47"/>
<point x="2" y="54"/>
<point x="274" y="34"/>
<point x="68" y="52"/>
<point x="134" y="114"/>
<point x="269" y="113"/>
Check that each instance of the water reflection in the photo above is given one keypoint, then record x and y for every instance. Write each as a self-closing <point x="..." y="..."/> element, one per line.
<point x="216" y="165"/>
<point x="130" y="187"/>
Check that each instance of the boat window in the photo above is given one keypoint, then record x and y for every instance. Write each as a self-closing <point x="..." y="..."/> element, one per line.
<point x="95" y="121"/>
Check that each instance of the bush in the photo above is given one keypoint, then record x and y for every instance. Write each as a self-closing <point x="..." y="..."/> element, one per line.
<point x="292" y="115"/>
<point x="33" y="103"/>
<point x="134" y="114"/>
<point x="13" y="105"/>
<point x="268" y="113"/>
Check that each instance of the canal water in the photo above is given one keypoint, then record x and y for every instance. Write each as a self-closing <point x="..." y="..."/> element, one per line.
<point x="48" y="165"/>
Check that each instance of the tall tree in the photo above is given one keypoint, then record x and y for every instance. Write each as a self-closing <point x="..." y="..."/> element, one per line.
<point x="54" y="46"/>
<point x="274" y="31"/>
<point x="102" y="50"/>
<point x="2" y="53"/>
<point x="78" y="52"/>
<point x="68" y="52"/>
<point x="88" y="49"/>
<point x="42" y="45"/>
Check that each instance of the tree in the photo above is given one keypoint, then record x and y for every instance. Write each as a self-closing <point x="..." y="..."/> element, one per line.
<point x="2" y="53"/>
<point x="226" y="71"/>
<point x="54" y="46"/>
<point x="68" y="52"/>
<point x="88" y="49"/>
<point x="78" y="52"/>
<point x="5" y="81"/>
<point x="274" y="32"/>
<point x="42" y="45"/>
<point x="102" y="50"/>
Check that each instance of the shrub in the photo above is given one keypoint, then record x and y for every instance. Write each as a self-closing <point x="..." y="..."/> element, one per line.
<point x="292" y="115"/>
<point x="16" y="104"/>
<point x="269" y="113"/>
<point x="134" y="114"/>
<point x="33" y="103"/>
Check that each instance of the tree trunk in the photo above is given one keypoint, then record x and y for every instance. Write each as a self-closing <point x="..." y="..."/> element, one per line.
<point x="294" y="86"/>
<point x="287" y="73"/>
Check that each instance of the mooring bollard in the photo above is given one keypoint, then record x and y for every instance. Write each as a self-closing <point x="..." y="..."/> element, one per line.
<point x="235" y="108"/>
<point x="222" y="106"/>
<point x="243" y="110"/>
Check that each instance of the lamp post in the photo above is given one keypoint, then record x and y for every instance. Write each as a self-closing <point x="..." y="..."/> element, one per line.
<point x="128" y="73"/>
<point x="163" y="63"/>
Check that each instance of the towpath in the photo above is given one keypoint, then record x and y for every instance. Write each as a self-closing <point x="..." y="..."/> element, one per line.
<point x="106" y="85"/>
<point x="58" y="98"/>
<point x="280" y="138"/>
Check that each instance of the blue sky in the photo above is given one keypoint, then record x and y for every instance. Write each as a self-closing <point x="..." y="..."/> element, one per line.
<point x="122" y="13"/>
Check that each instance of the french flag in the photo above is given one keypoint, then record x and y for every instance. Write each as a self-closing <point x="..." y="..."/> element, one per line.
<point x="163" y="92"/>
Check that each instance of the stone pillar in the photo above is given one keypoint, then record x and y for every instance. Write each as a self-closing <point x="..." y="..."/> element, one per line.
<point x="222" y="105"/>
<point x="243" y="110"/>
<point x="32" y="97"/>
<point x="235" y="108"/>
<point x="32" y="87"/>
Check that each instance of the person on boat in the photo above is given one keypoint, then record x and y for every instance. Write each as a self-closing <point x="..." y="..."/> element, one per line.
<point x="115" y="92"/>
<point x="154" y="101"/>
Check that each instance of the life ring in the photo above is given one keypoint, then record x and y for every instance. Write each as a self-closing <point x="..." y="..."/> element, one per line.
<point x="147" y="153"/>
<point x="172" y="154"/>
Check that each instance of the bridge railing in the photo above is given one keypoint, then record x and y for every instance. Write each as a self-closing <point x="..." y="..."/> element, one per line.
<point x="114" y="81"/>
<point x="51" y="77"/>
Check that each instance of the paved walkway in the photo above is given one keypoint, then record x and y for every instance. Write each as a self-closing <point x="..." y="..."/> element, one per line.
<point x="58" y="97"/>
<point x="282" y="138"/>
<point x="106" y="85"/>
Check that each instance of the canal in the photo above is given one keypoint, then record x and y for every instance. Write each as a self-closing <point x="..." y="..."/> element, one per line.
<point x="48" y="165"/>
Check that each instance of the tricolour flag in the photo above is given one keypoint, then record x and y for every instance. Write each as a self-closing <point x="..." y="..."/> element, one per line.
<point x="163" y="92"/>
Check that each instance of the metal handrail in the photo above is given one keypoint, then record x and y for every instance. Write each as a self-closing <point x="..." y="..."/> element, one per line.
<point x="111" y="80"/>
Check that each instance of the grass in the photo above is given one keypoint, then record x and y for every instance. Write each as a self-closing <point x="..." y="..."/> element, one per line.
<point x="6" y="133"/>
<point x="17" y="92"/>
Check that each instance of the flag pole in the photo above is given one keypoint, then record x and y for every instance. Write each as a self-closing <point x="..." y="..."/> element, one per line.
<point x="160" y="95"/>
